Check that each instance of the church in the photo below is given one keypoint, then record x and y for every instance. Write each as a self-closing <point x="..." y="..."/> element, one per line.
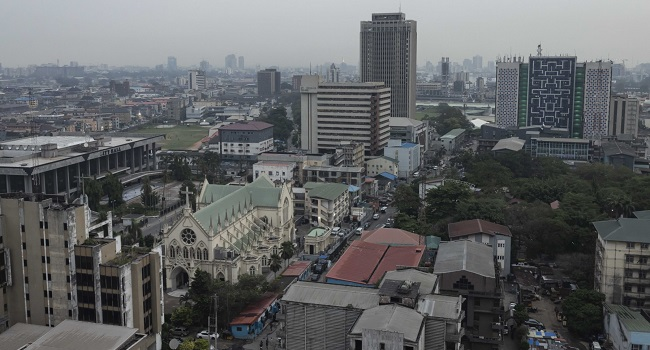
<point x="234" y="231"/>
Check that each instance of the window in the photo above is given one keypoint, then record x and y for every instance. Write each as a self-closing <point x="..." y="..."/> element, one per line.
<point x="645" y="245"/>
<point x="25" y="263"/>
<point x="628" y="273"/>
<point x="627" y="288"/>
<point x="643" y="260"/>
<point x="251" y="271"/>
<point x="636" y="347"/>
<point x="630" y="245"/>
<point x="65" y="226"/>
<point x="629" y="258"/>
<point x="382" y="346"/>
<point x="24" y="245"/>
<point x="642" y="274"/>
<point x="238" y="329"/>
<point x="640" y="289"/>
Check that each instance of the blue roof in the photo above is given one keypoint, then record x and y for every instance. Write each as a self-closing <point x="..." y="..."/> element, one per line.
<point x="388" y="175"/>
<point x="408" y="145"/>
<point x="353" y="188"/>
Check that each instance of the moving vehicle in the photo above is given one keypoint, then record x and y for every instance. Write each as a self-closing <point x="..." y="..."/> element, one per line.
<point x="206" y="335"/>
<point x="358" y="231"/>
<point x="375" y="216"/>
<point x="383" y="209"/>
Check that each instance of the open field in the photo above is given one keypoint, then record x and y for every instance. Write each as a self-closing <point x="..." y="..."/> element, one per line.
<point x="177" y="137"/>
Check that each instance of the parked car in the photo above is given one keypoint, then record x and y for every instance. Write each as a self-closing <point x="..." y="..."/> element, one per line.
<point x="534" y="323"/>
<point x="206" y="335"/>
<point x="375" y="216"/>
<point x="366" y="225"/>
<point x="315" y="277"/>
<point x="512" y="306"/>
<point x="359" y="230"/>
<point x="383" y="209"/>
<point x="180" y="332"/>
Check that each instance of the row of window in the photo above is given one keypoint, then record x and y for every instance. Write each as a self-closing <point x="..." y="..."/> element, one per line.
<point x="187" y="253"/>
<point x="632" y="245"/>
<point x="632" y="258"/>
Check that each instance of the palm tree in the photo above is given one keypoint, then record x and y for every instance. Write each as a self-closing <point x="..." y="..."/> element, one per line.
<point x="275" y="264"/>
<point x="286" y="250"/>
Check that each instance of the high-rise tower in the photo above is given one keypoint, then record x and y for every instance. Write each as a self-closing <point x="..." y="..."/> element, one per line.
<point x="388" y="54"/>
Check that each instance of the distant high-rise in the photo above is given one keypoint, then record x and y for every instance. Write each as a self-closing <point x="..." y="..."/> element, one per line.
<point x="171" y="64"/>
<point x="333" y="74"/>
<point x="268" y="82"/>
<point x="554" y="92"/>
<point x="231" y="62"/>
<point x="204" y="65"/>
<point x="241" y="63"/>
<point x="196" y="80"/>
<point x="445" y="71"/>
<point x="477" y="62"/>
<point x="388" y="49"/>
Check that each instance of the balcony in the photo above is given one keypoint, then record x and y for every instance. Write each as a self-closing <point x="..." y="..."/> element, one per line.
<point x="475" y="338"/>
<point x="455" y="335"/>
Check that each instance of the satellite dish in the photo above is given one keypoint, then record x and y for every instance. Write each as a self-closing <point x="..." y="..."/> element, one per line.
<point x="174" y="343"/>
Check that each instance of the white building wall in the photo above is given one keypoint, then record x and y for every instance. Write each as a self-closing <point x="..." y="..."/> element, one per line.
<point x="507" y="93"/>
<point x="276" y="172"/>
<point x="408" y="159"/>
<point x="598" y="79"/>
<point x="247" y="148"/>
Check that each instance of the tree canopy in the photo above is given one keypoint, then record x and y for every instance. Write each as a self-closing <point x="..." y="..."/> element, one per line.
<point x="584" y="312"/>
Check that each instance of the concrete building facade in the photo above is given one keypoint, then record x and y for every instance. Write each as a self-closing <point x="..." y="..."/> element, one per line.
<point x="276" y="171"/>
<point x="243" y="141"/>
<point x="268" y="82"/>
<point x="196" y="80"/>
<point x="335" y="112"/>
<point x="624" y="116"/>
<point x="388" y="50"/>
<point x="408" y="156"/>
<point x="326" y="204"/>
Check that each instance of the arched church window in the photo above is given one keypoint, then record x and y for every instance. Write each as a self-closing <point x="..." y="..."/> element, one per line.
<point x="264" y="260"/>
<point x="275" y="249"/>
<point x="205" y="254"/>
<point x="251" y="271"/>
<point x="192" y="253"/>
<point x="172" y="252"/>
<point x="285" y="211"/>
<point x="178" y="251"/>
<point x="186" y="253"/>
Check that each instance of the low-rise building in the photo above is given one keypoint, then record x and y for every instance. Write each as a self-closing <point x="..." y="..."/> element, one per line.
<point x="626" y="328"/>
<point x="351" y="175"/>
<point x="410" y="130"/>
<point x="388" y="327"/>
<point x="349" y="153"/>
<point x="327" y="203"/>
<point x="453" y="140"/>
<point x="444" y="317"/>
<point x="496" y="236"/>
<point x="244" y="141"/>
<point x="250" y="322"/>
<point x="468" y="269"/>
<point x="318" y="239"/>
<point x="408" y="156"/>
<point x="378" y="165"/>
<point x="275" y="170"/>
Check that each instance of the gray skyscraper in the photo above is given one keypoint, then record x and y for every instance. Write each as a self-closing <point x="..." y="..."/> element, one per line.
<point x="388" y="54"/>
<point x="241" y="62"/>
<point x="231" y="62"/>
<point x="171" y="63"/>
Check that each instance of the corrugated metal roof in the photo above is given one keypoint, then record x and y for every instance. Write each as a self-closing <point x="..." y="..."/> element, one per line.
<point x="453" y="134"/>
<point x="465" y="255"/>
<point x="297" y="268"/>
<point x="443" y="306"/>
<point x="329" y="191"/>
<point x="253" y="125"/>
<point x="632" y="320"/>
<point x="427" y="280"/>
<point x="20" y="335"/>
<point x="391" y="318"/>
<point x="255" y="310"/>
<point x="512" y="144"/>
<point x="332" y="295"/>
<point x="470" y="227"/>
<point x="83" y="335"/>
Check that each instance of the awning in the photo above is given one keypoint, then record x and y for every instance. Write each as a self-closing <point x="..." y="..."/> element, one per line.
<point x="353" y="188"/>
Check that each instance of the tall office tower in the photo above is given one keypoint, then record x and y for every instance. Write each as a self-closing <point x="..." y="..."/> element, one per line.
<point x="171" y="64"/>
<point x="196" y="80"/>
<point x="554" y="92"/>
<point x="57" y="263"/>
<point x="477" y="62"/>
<point x="333" y="74"/>
<point x="468" y="65"/>
<point x="335" y="112"/>
<point x="491" y="66"/>
<point x="231" y="62"/>
<point x="241" y="63"/>
<point x="268" y="82"/>
<point x="445" y="72"/>
<point x="388" y="54"/>
<point x="204" y="65"/>
<point x="624" y="115"/>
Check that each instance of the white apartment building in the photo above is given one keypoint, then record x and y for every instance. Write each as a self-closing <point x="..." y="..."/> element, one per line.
<point x="196" y="80"/>
<point x="276" y="171"/>
<point x="243" y="141"/>
<point x="407" y="155"/>
<point x="622" y="266"/>
<point x="326" y="203"/>
<point x="624" y="115"/>
<point x="335" y="112"/>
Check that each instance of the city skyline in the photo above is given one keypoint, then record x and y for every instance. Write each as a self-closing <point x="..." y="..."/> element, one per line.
<point x="297" y="33"/>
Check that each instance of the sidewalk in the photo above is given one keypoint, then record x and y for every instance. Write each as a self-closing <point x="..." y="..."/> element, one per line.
<point x="269" y="334"/>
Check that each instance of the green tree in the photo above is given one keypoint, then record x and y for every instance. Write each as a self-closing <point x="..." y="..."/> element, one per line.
<point x="275" y="264"/>
<point x="148" y="197"/>
<point x="442" y="201"/>
<point x="113" y="188"/>
<point x="407" y="200"/>
<point x="490" y="209"/>
<point x="201" y="344"/>
<point x="209" y="166"/>
<point x="520" y="314"/>
<point x="282" y="127"/>
<point x="584" y="312"/>
<point x="201" y="290"/>
<point x="489" y="175"/>
<point x="577" y="209"/>
<point x="94" y="192"/>
<point x="183" y="316"/>
<point x="406" y="222"/>
<point x="287" y="250"/>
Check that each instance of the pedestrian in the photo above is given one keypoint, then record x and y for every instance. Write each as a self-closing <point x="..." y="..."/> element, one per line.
<point x="261" y="344"/>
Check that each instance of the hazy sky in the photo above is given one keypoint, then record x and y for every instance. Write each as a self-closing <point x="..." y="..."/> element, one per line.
<point x="296" y="32"/>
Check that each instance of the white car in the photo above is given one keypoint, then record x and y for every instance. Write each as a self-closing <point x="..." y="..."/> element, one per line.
<point x="512" y="306"/>
<point x="375" y="217"/>
<point x="206" y="335"/>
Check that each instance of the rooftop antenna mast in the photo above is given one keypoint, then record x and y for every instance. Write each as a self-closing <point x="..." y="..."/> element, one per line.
<point x="539" y="49"/>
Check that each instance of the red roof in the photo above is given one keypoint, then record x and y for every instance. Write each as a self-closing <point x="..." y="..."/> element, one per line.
<point x="253" y="312"/>
<point x="470" y="227"/>
<point x="247" y="126"/>
<point x="392" y="236"/>
<point x="366" y="263"/>
<point x="296" y="269"/>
